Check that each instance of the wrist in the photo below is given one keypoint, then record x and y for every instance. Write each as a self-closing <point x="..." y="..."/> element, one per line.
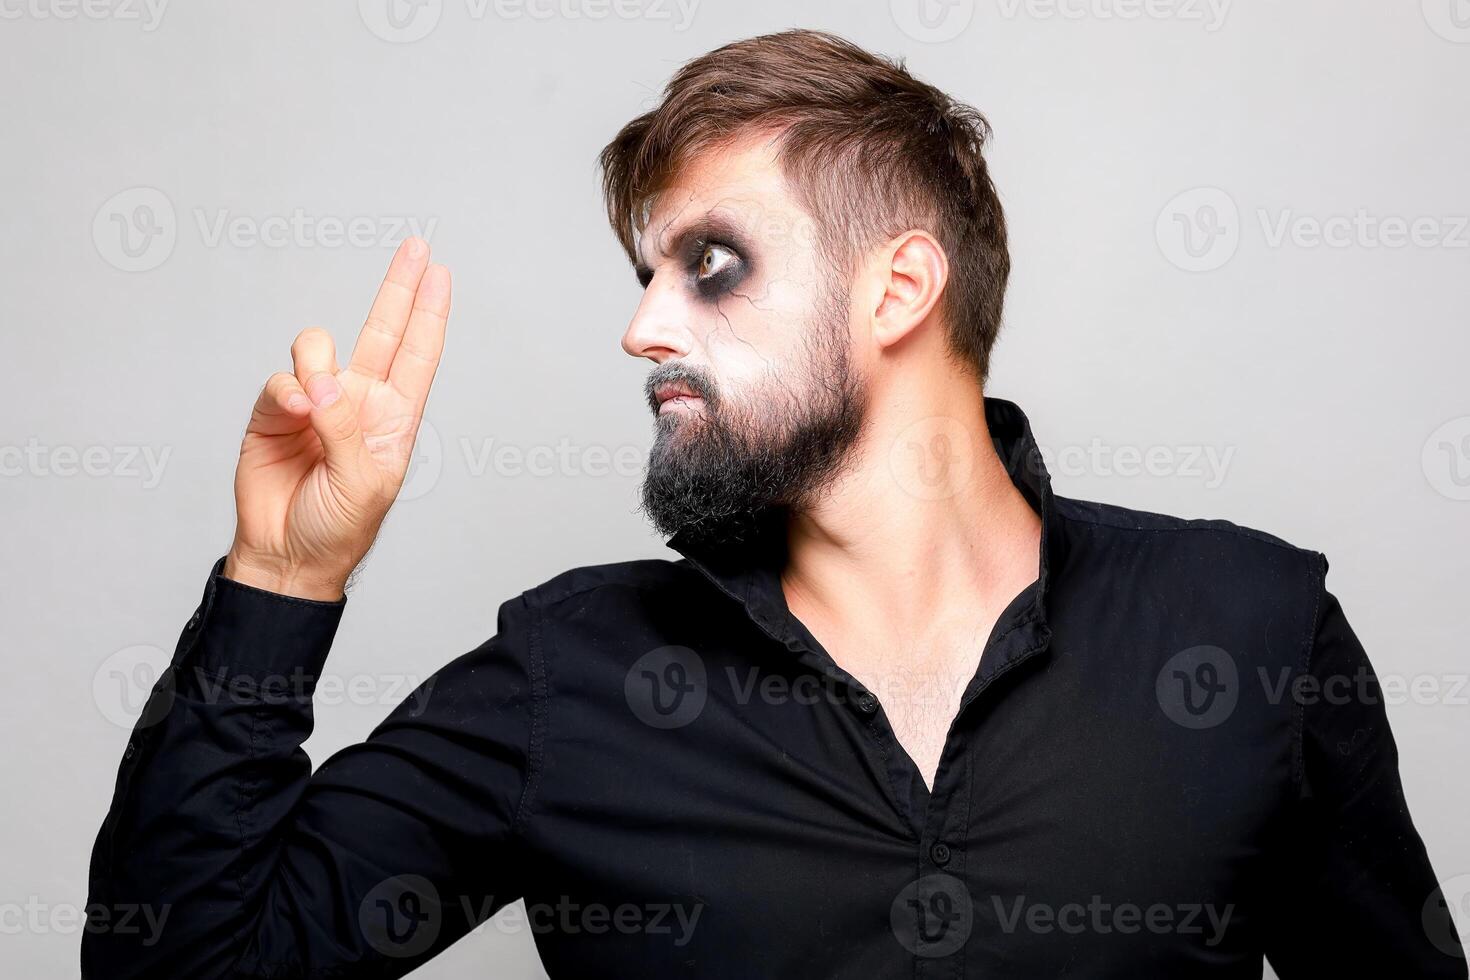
<point x="301" y="583"/>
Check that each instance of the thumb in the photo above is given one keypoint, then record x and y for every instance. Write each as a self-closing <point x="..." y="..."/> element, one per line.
<point x="334" y="420"/>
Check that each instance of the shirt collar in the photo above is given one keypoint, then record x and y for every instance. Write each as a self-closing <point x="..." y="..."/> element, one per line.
<point x="750" y="572"/>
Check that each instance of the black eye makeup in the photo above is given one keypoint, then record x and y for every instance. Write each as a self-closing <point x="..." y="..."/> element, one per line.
<point x="713" y="255"/>
<point x="717" y="267"/>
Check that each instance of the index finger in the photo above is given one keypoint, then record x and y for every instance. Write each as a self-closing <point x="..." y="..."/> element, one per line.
<point x="382" y="331"/>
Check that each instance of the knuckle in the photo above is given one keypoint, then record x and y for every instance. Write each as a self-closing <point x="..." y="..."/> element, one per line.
<point x="418" y="353"/>
<point x="274" y="391"/>
<point x="310" y="337"/>
<point x="377" y="323"/>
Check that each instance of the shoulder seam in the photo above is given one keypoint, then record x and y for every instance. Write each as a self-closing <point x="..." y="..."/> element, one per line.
<point x="563" y="594"/>
<point x="544" y="595"/>
<point x="1195" y="524"/>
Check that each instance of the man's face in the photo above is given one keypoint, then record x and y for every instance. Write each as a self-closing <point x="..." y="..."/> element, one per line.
<point x="756" y="399"/>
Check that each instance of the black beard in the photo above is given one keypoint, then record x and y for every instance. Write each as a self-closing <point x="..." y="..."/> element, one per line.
<point x="722" y="474"/>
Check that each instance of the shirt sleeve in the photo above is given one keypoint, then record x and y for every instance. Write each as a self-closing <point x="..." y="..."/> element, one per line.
<point x="229" y="857"/>
<point x="1357" y="895"/>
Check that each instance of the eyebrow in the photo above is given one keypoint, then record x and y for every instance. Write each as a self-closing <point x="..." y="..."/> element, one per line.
<point x="717" y="223"/>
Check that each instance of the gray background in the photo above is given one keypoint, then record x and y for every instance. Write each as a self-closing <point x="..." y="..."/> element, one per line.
<point x="1326" y="378"/>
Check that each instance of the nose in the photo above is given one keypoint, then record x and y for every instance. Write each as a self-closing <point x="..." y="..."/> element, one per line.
<point x="659" y="329"/>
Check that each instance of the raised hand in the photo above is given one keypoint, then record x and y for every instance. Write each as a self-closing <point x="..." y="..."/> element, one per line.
<point x="326" y="451"/>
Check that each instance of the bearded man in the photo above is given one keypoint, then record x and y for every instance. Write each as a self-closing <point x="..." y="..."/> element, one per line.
<point x="898" y="710"/>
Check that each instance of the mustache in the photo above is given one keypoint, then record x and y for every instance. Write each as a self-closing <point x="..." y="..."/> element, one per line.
<point x="694" y="378"/>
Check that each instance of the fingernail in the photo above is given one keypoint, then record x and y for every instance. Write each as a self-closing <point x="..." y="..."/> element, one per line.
<point x="415" y="247"/>
<point x="323" y="390"/>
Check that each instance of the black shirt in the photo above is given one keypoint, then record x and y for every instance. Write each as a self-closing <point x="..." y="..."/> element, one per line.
<point x="1171" y="761"/>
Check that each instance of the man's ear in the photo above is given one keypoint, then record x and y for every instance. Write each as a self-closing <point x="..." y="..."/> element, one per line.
<point x="912" y="271"/>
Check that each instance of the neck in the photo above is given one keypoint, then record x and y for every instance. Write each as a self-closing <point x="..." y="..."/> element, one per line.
<point x="924" y="528"/>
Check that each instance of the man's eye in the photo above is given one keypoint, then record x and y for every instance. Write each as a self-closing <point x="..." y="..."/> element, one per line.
<point x="713" y="259"/>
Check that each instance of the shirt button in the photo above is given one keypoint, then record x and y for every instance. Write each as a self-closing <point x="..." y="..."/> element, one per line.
<point x="940" y="853"/>
<point x="866" y="703"/>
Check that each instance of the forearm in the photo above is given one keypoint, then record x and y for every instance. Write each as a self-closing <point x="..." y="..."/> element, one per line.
<point x="210" y="776"/>
<point x="251" y="864"/>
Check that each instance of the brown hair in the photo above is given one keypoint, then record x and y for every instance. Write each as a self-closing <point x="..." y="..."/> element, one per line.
<point x="869" y="150"/>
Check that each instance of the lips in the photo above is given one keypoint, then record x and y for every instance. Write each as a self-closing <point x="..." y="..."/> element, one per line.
<point x="669" y="392"/>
